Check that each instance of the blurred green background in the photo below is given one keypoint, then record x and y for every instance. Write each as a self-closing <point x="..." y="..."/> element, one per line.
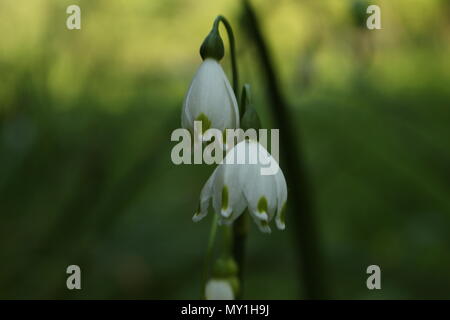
<point x="85" y="122"/>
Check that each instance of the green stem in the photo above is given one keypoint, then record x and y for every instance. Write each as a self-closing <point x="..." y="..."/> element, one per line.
<point x="209" y="253"/>
<point x="240" y="231"/>
<point x="227" y="241"/>
<point x="234" y="68"/>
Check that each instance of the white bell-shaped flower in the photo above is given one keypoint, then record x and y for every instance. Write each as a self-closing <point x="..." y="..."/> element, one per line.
<point x="219" y="289"/>
<point x="238" y="183"/>
<point x="210" y="99"/>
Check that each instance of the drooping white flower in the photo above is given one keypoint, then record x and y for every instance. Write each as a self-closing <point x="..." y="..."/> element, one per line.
<point x="237" y="183"/>
<point x="210" y="99"/>
<point x="219" y="289"/>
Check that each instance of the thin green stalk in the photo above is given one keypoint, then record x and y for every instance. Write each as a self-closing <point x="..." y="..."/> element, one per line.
<point x="234" y="68"/>
<point x="209" y="253"/>
<point x="240" y="232"/>
<point x="227" y="241"/>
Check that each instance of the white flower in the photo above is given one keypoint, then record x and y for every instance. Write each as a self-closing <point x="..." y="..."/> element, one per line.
<point x="217" y="289"/>
<point x="234" y="187"/>
<point x="210" y="99"/>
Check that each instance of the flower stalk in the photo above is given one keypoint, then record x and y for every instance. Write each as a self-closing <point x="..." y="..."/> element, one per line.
<point x="234" y="67"/>
<point x="209" y="253"/>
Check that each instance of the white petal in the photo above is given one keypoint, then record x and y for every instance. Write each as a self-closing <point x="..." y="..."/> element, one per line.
<point x="210" y="93"/>
<point x="263" y="225"/>
<point x="186" y="120"/>
<point x="258" y="188"/>
<point x="277" y="179"/>
<point x="205" y="196"/>
<point x="234" y="105"/>
<point x="282" y="198"/>
<point x="228" y="200"/>
<point x="219" y="290"/>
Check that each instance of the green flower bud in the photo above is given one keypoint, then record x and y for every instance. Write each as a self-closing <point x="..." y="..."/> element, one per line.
<point x="212" y="46"/>
<point x="250" y="118"/>
<point x="224" y="268"/>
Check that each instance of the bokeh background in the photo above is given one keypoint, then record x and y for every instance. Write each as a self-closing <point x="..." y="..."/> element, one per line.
<point x="85" y="123"/>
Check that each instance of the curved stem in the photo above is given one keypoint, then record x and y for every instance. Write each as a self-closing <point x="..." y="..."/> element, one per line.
<point x="234" y="68"/>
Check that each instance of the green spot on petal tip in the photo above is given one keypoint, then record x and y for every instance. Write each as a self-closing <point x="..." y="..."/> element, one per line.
<point x="262" y="204"/>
